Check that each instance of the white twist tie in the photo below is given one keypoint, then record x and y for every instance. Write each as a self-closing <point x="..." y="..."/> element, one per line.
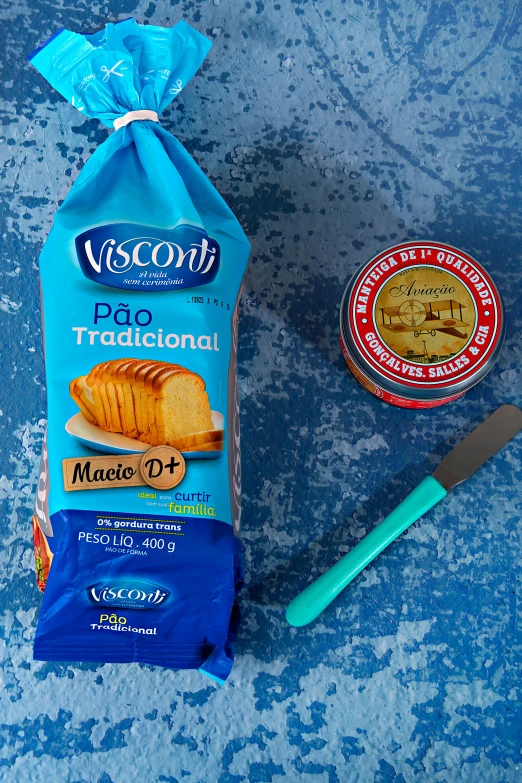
<point x="142" y="114"/>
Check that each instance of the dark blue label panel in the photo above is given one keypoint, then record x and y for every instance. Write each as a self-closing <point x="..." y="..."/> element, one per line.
<point x="144" y="258"/>
<point x="159" y="590"/>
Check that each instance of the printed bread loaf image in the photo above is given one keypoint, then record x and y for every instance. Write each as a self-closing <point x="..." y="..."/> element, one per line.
<point x="154" y="402"/>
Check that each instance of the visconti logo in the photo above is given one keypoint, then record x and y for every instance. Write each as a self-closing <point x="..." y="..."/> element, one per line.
<point x="143" y="258"/>
<point x="135" y="594"/>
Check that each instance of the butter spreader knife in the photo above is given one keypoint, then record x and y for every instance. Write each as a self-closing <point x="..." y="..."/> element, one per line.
<point x="467" y="457"/>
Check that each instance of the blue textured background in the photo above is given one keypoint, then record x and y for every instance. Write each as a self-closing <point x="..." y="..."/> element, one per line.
<point x="334" y="129"/>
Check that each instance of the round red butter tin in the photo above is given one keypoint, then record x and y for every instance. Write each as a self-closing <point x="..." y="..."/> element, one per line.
<point x="421" y="323"/>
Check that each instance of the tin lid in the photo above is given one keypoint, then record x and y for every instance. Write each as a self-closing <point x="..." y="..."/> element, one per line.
<point x="423" y="320"/>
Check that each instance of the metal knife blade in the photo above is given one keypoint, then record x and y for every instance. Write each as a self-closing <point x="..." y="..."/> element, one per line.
<point x="479" y="446"/>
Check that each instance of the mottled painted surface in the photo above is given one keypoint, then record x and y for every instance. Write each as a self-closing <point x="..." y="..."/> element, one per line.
<point x="334" y="129"/>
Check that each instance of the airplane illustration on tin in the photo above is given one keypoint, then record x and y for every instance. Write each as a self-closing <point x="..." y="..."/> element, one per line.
<point x="426" y="318"/>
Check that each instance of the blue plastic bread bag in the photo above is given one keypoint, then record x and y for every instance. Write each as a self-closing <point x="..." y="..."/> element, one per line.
<point x="137" y="512"/>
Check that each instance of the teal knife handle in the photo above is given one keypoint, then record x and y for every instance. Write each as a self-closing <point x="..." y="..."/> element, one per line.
<point x="316" y="597"/>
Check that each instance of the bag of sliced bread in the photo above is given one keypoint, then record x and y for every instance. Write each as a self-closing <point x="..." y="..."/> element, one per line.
<point x="137" y="512"/>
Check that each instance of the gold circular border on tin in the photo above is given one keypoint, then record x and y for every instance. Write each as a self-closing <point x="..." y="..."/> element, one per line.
<point x="424" y="327"/>
<point x="162" y="467"/>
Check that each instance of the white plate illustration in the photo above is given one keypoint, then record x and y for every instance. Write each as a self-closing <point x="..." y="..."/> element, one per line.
<point x="115" y="443"/>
